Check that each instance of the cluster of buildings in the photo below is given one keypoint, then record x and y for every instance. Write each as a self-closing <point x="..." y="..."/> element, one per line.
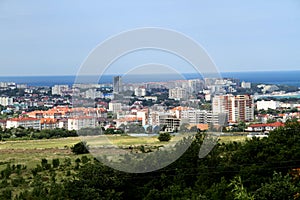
<point x="119" y="105"/>
<point x="59" y="117"/>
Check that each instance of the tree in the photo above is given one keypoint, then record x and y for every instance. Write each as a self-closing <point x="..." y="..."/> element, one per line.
<point x="279" y="187"/>
<point x="80" y="148"/>
<point x="241" y="126"/>
<point x="55" y="163"/>
<point x="239" y="191"/>
<point x="109" y="131"/>
<point x="164" y="137"/>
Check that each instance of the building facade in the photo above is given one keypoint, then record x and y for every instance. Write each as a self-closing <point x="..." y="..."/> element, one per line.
<point x="77" y="123"/>
<point x="117" y="84"/>
<point x="59" y="89"/>
<point x="197" y="116"/>
<point x="237" y="108"/>
<point x="27" y="122"/>
<point x="265" y="105"/>
<point x="6" y="101"/>
<point x="178" y="93"/>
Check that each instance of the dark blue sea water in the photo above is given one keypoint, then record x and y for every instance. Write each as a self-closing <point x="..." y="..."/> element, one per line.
<point x="270" y="77"/>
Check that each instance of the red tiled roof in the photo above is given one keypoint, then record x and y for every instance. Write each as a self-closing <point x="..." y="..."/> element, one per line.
<point x="180" y="108"/>
<point x="23" y="119"/>
<point x="275" y="124"/>
<point x="48" y="121"/>
<point x="202" y="127"/>
<point x="82" y="117"/>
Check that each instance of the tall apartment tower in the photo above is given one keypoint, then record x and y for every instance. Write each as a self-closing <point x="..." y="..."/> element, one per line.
<point x="117" y="84"/>
<point x="238" y="108"/>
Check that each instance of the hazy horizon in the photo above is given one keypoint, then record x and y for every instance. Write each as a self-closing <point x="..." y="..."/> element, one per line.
<point x="54" y="38"/>
<point x="119" y="74"/>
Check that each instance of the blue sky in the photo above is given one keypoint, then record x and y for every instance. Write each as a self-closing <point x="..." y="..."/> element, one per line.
<point x="54" y="37"/>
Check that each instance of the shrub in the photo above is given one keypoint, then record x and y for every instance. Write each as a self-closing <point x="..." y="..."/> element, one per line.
<point x="55" y="163"/>
<point x="164" y="137"/>
<point x="80" y="148"/>
<point x="84" y="159"/>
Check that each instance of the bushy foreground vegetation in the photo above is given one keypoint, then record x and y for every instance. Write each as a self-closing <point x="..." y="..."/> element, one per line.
<point x="267" y="168"/>
<point x="30" y="133"/>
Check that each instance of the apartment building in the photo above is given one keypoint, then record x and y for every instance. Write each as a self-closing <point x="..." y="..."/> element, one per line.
<point x="77" y="123"/>
<point x="237" y="108"/>
<point x="27" y="122"/>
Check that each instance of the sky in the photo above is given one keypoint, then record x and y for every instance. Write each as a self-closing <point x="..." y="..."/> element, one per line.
<point x="55" y="37"/>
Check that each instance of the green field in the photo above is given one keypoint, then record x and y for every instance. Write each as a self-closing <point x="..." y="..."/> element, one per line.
<point x="233" y="138"/>
<point x="30" y="152"/>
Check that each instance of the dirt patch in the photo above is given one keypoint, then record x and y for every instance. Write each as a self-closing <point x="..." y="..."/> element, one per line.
<point x="37" y="150"/>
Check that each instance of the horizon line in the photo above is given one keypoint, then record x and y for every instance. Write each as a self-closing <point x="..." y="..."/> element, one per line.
<point x="116" y="74"/>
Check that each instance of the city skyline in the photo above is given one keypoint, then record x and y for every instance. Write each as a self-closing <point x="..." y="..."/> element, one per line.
<point x="46" y="38"/>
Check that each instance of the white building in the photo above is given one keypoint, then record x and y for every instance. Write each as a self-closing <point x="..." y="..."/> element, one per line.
<point x="22" y="86"/>
<point x="246" y="85"/>
<point x="153" y="98"/>
<point x="195" y="85"/>
<point x="143" y="115"/>
<point x="114" y="107"/>
<point x="85" y="86"/>
<point x="6" y="85"/>
<point x="24" y="122"/>
<point x="6" y="101"/>
<point x="178" y="93"/>
<point x="202" y="117"/>
<point x="59" y="89"/>
<point x="265" y="105"/>
<point x="77" y="123"/>
<point x="93" y="94"/>
<point x="140" y="92"/>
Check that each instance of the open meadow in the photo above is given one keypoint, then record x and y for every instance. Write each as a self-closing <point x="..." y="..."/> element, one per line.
<point x="30" y="152"/>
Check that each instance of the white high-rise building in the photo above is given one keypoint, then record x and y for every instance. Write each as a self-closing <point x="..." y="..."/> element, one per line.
<point x="59" y="89"/>
<point x="6" y="101"/>
<point x="117" y="84"/>
<point x="178" y="93"/>
<point x="195" y="85"/>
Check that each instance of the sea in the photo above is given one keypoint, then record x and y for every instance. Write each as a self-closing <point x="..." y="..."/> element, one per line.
<point x="291" y="78"/>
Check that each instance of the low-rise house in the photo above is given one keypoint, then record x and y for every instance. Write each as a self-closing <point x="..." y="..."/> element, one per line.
<point x="264" y="127"/>
<point x="128" y="120"/>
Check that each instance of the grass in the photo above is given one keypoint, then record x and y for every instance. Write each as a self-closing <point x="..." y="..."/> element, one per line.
<point x="39" y="144"/>
<point x="30" y="152"/>
<point x="234" y="138"/>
